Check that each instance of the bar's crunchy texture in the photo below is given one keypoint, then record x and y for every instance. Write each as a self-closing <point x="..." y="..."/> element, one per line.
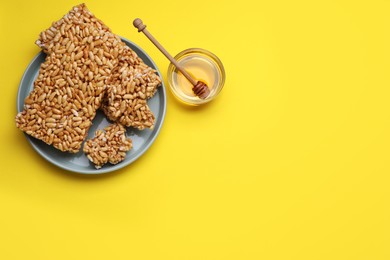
<point x="132" y="72"/>
<point x="71" y="82"/>
<point x="132" y="82"/>
<point x="109" y="145"/>
<point x="81" y="54"/>
<point x="128" y="89"/>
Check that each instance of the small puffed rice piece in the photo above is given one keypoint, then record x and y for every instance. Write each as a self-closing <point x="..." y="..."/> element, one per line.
<point x="108" y="145"/>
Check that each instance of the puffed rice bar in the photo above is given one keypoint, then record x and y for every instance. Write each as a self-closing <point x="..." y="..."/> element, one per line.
<point x="109" y="145"/>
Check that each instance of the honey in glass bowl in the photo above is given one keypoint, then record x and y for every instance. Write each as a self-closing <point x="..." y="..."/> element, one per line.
<point x="203" y="66"/>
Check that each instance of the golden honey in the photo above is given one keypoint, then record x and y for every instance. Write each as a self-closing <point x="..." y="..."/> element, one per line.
<point x="203" y="66"/>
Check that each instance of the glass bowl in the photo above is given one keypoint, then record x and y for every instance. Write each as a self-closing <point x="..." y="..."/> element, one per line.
<point x="202" y="65"/>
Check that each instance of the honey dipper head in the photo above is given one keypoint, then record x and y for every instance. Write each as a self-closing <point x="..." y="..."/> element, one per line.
<point x="201" y="90"/>
<point x="139" y="24"/>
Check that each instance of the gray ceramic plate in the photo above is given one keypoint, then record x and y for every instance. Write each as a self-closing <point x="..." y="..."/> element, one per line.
<point x="78" y="162"/>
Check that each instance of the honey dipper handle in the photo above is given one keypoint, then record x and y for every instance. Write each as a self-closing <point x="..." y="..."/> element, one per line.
<point x="142" y="28"/>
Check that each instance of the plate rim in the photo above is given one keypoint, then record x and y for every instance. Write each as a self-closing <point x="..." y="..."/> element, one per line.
<point x="113" y="167"/>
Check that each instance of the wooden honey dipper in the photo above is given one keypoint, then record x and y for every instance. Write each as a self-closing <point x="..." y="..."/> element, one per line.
<point x="200" y="88"/>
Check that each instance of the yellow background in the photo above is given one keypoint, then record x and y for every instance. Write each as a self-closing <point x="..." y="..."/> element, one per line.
<point x="291" y="161"/>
